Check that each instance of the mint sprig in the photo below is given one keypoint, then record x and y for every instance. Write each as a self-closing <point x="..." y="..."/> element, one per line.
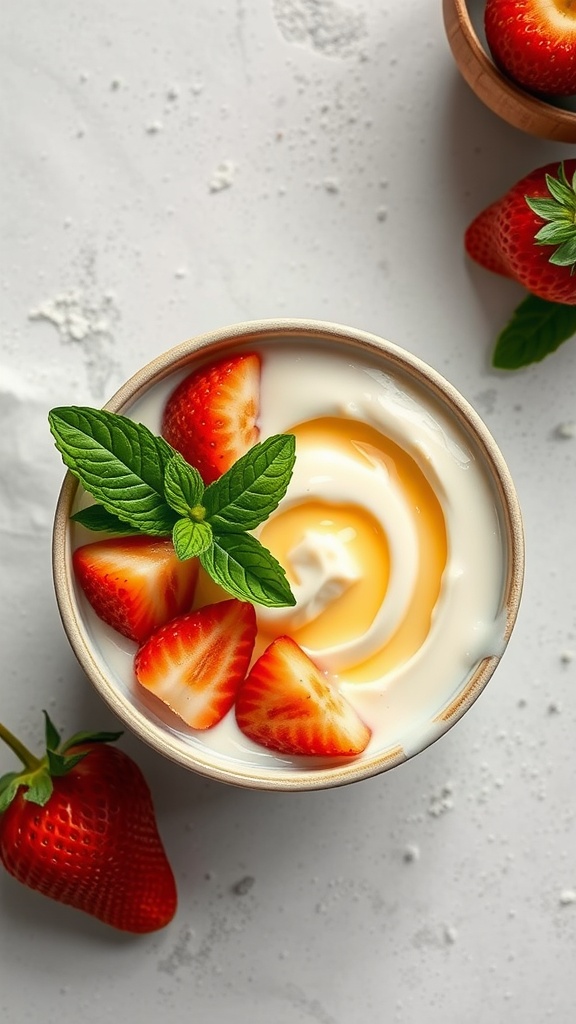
<point x="142" y="485"/>
<point x="536" y="329"/>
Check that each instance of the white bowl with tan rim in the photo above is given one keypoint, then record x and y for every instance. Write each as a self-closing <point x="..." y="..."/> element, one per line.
<point x="547" y="118"/>
<point x="336" y="371"/>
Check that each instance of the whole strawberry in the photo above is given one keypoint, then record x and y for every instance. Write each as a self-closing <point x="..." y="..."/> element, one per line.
<point x="78" y="826"/>
<point x="534" y="43"/>
<point x="530" y="233"/>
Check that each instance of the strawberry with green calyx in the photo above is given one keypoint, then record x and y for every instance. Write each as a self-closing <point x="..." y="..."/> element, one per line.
<point x="534" y="43"/>
<point x="78" y="825"/>
<point x="529" y="235"/>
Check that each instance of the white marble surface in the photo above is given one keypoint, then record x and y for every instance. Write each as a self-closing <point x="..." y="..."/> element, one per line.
<point x="171" y="168"/>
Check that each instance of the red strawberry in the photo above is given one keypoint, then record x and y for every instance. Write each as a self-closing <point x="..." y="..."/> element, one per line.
<point x="196" y="663"/>
<point x="288" y="705"/>
<point x="530" y="233"/>
<point x="135" y="584"/>
<point x="534" y="43"/>
<point x="211" y="416"/>
<point x="78" y="825"/>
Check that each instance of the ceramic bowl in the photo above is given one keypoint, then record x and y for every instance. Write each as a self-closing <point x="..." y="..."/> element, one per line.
<point x="546" y="118"/>
<point x="107" y="659"/>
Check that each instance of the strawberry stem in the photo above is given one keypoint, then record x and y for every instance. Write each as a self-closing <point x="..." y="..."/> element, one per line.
<point x="28" y="759"/>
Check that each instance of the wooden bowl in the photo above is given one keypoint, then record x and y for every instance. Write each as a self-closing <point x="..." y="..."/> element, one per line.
<point x="463" y="21"/>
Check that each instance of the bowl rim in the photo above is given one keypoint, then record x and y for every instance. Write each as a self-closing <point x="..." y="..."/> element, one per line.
<point x="227" y="338"/>
<point x="499" y="93"/>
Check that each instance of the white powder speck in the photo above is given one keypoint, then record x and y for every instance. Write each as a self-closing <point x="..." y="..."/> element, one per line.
<point x="181" y="272"/>
<point x="566" y="431"/>
<point x="381" y="213"/>
<point x="154" y="127"/>
<point x="411" y="853"/>
<point x="567" y="896"/>
<point x="223" y="176"/>
<point x="331" y="185"/>
<point x="326" y="26"/>
<point x="173" y="93"/>
<point x="566" y="657"/>
<point x="441" y="802"/>
<point x="89" y="322"/>
<point x="450" y="934"/>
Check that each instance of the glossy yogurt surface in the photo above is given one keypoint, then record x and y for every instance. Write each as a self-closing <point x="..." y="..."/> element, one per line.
<point x="392" y="536"/>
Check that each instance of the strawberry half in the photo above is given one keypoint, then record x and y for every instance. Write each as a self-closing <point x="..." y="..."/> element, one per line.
<point x="196" y="663"/>
<point x="288" y="705"/>
<point x="530" y="233"/>
<point x="534" y="43"/>
<point x="135" y="584"/>
<point x="211" y="416"/>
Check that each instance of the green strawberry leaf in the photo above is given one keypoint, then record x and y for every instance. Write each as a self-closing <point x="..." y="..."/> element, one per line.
<point x="560" y="213"/>
<point x="565" y="255"/>
<point x="247" y="570"/>
<point x="183" y="485"/>
<point x="536" y="329"/>
<point x="119" y="462"/>
<point x="96" y="518"/>
<point x="9" y="784"/>
<point x="548" y="209"/>
<point x="190" y="538"/>
<point x="51" y="733"/>
<point x="40" y="787"/>
<point x="560" y="190"/>
<point x="59" y="764"/>
<point x="552" y="234"/>
<point x="249" y="492"/>
<point x="89" y="737"/>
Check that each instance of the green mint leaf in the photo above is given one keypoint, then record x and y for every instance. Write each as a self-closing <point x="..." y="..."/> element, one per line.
<point x="536" y="329"/>
<point x="96" y="518"/>
<point x="249" y="492"/>
<point x="51" y="733"/>
<point x="247" y="570"/>
<point x="183" y="485"/>
<point x="190" y="538"/>
<point x="119" y="462"/>
<point x="40" y="788"/>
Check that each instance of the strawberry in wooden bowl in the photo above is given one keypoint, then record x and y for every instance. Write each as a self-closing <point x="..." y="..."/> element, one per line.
<point x="265" y="556"/>
<point x="534" y="42"/>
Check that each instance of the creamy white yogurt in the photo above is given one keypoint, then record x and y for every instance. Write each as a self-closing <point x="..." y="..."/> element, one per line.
<point x="304" y="381"/>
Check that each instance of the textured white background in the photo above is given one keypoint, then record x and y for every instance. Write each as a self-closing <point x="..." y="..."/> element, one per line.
<point x="168" y="168"/>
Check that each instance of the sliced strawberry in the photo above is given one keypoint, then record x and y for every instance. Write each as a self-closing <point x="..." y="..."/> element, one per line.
<point x="211" y="416"/>
<point x="288" y="705"/>
<point x="135" y="584"/>
<point x="196" y="663"/>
